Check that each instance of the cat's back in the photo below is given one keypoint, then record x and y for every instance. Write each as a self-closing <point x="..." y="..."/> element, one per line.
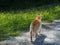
<point x="35" y="22"/>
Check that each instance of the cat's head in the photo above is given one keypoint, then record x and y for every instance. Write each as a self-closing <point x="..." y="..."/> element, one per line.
<point x="39" y="16"/>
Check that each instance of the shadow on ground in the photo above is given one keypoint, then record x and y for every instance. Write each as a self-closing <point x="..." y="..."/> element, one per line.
<point x="39" y="40"/>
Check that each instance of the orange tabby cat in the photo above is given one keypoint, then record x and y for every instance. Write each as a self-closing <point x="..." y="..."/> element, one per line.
<point x="35" y="25"/>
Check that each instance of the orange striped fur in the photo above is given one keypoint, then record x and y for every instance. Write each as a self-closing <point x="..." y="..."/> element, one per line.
<point x="35" y="25"/>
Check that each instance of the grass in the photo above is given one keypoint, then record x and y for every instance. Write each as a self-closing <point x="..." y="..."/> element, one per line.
<point x="12" y="23"/>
